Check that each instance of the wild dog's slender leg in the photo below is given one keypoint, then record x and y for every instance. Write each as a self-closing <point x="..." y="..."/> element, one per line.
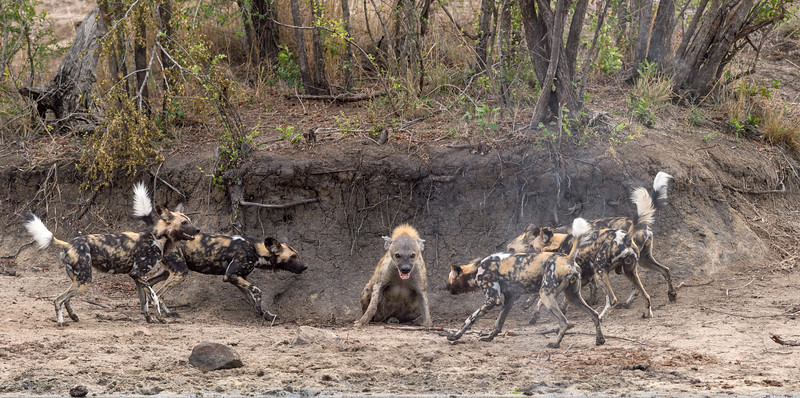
<point x="147" y="296"/>
<point x="549" y="300"/>
<point x="63" y="301"/>
<point x="535" y="314"/>
<point x="492" y="300"/>
<point x="573" y="293"/>
<point x="508" y="302"/>
<point x="426" y="312"/>
<point x="173" y="270"/>
<point x="251" y="292"/>
<point x="631" y="273"/>
<point x="605" y="284"/>
<point x="646" y="260"/>
<point x="374" y="300"/>
<point x="79" y="271"/>
<point x="173" y="279"/>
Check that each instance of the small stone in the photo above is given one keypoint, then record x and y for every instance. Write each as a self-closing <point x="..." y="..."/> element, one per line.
<point x="78" y="391"/>
<point x="208" y="356"/>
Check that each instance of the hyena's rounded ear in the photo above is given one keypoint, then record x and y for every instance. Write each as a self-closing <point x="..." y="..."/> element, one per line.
<point x="421" y="243"/>
<point x="387" y="242"/>
<point x="272" y="245"/>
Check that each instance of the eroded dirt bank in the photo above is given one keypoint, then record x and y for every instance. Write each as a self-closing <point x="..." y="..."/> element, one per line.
<point x="721" y="234"/>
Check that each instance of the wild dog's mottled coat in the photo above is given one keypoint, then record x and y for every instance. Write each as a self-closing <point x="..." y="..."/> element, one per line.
<point x="511" y="275"/>
<point x="646" y="204"/>
<point x="131" y="253"/>
<point x="234" y="257"/>
<point x="398" y="287"/>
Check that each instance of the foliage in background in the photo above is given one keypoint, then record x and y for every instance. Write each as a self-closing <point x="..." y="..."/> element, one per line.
<point x="27" y="44"/>
<point x="650" y="94"/>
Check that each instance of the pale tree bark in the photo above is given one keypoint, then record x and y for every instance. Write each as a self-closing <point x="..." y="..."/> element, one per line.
<point x="553" y="60"/>
<point x="717" y="33"/>
<point x="71" y="89"/>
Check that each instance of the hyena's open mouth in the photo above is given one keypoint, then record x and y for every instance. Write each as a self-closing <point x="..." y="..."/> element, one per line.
<point x="404" y="275"/>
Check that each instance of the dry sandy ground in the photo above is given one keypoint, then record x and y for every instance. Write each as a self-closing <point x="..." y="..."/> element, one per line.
<point x="714" y="341"/>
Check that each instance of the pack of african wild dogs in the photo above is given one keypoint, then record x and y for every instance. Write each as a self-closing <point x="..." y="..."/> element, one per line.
<point x="553" y="261"/>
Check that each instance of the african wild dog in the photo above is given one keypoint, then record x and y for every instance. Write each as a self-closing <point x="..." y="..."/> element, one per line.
<point x="133" y="253"/>
<point x="399" y="285"/>
<point x="646" y="204"/>
<point x="511" y="275"/>
<point x="234" y="257"/>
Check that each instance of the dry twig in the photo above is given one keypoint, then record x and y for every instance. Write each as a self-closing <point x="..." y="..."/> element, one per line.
<point x="780" y="340"/>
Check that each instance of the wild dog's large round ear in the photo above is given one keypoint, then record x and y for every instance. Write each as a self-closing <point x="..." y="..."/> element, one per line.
<point x="532" y="232"/>
<point x="273" y="245"/>
<point x="164" y="213"/>
<point x="179" y="208"/>
<point x="387" y="242"/>
<point x="547" y="234"/>
<point x="457" y="269"/>
<point x="421" y="243"/>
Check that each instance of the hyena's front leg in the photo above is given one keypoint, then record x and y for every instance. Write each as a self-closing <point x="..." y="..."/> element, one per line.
<point x="425" y="318"/>
<point x="375" y="298"/>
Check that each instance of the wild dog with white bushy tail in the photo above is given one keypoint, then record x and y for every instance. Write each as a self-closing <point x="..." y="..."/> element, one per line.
<point x="399" y="285"/>
<point x="512" y="275"/>
<point x="234" y="257"/>
<point x="132" y="253"/>
<point x="646" y="202"/>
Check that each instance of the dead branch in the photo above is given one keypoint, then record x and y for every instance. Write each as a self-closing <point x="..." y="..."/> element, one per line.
<point x="338" y="98"/>
<point x="551" y="331"/>
<point x="789" y="312"/>
<point x="782" y="189"/>
<point x="780" y="340"/>
<point x="417" y="328"/>
<point x="740" y="287"/>
<point x="278" y="206"/>
<point x="168" y="185"/>
<point x="684" y="284"/>
<point x="17" y="253"/>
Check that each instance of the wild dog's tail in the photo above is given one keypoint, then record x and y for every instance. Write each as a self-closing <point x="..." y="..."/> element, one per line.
<point x="648" y="201"/>
<point x="581" y="231"/>
<point x="43" y="237"/>
<point x="142" y="205"/>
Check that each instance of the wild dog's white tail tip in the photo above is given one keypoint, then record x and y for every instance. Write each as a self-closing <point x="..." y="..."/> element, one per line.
<point x="580" y="227"/>
<point x="142" y="206"/>
<point x="645" y="208"/>
<point x="660" y="184"/>
<point x="39" y="232"/>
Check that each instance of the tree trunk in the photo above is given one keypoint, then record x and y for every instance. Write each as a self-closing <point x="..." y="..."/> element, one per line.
<point x="661" y="36"/>
<point x="169" y="80"/>
<point x="262" y="30"/>
<point x="140" y="60"/>
<point x="552" y="63"/>
<point x="643" y="15"/>
<point x="484" y="34"/>
<point x="302" y="58"/>
<point x="711" y="42"/>
<point x="347" y="57"/>
<point x="319" y="76"/>
<point x="71" y="88"/>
